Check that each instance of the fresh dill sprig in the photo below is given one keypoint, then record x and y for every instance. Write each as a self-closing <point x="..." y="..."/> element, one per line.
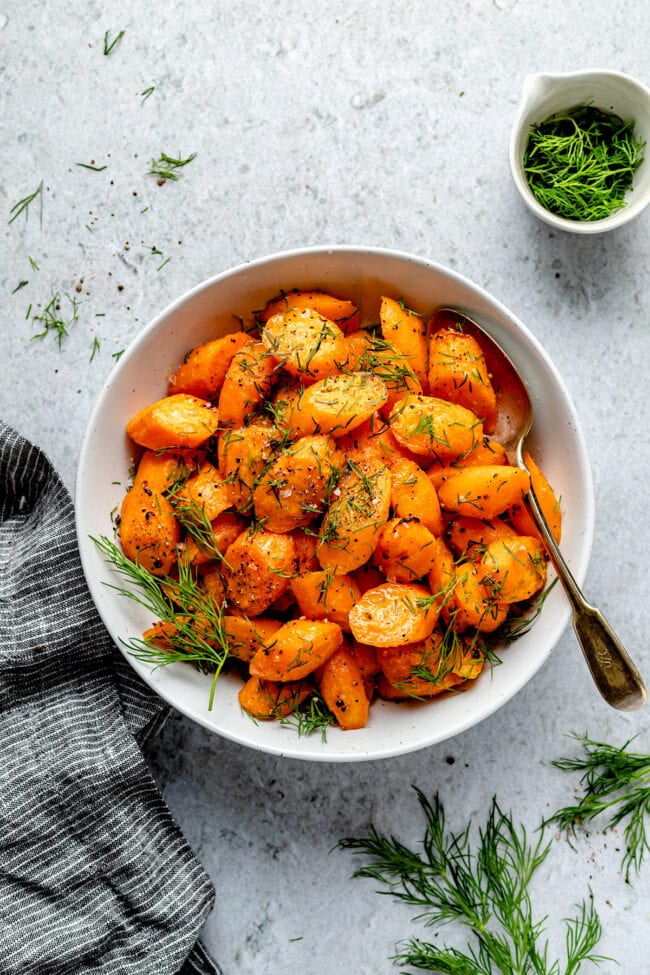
<point x="147" y="93"/>
<point x="52" y="320"/>
<point x="95" y="349"/>
<point x="616" y="785"/>
<point x="23" y="205"/>
<point x="166" y="167"/>
<point x="109" y="46"/>
<point x="197" y="634"/>
<point x="580" y="163"/>
<point x="311" y="717"/>
<point x="484" y="889"/>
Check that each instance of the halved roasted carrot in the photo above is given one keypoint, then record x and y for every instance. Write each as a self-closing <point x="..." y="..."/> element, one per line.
<point x="483" y="492"/>
<point x="305" y="344"/>
<point x="322" y="595"/>
<point x="246" y="636"/>
<point x="268" y="700"/>
<point x="205" y="492"/>
<point x="244" y="452"/>
<point x="513" y="569"/>
<point x="204" y="368"/>
<point x="345" y="313"/>
<point x="179" y="420"/>
<point x="413" y="495"/>
<point x="434" y="428"/>
<point x="343" y="689"/>
<point x="360" y="507"/>
<point x="149" y="531"/>
<point x="406" y="550"/>
<point x="257" y="569"/>
<point x="550" y="505"/>
<point x="394" y="614"/>
<point x="458" y="372"/>
<point x="247" y="383"/>
<point x="299" y="648"/>
<point x="294" y="488"/>
<point x="406" y="331"/>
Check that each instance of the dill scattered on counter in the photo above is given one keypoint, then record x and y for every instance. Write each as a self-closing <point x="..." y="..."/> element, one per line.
<point x="580" y="163"/>
<point x="95" y="169"/>
<point x="23" y="205"/>
<point x="109" y="46"/>
<point x="147" y="93"/>
<point x="166" y="167"/>
<point x="51" y="319"/>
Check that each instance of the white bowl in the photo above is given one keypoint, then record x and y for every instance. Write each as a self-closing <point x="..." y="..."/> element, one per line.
<point x="207" y="311"/>
<point x="544" y="94"/>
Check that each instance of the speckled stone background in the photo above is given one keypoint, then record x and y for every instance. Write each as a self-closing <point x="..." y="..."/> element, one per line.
<point x="377" y="123"/>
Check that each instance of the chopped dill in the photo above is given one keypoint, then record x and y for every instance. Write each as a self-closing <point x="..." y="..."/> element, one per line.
<point x="110" y="45"/>
<point x="23" y="205"/>
<point x="95" y="169"/>
<point x="580" y="163"/>
<point x="52" y="321"/>
<point x="166" y="167"/>
<point x="147" y="93"/>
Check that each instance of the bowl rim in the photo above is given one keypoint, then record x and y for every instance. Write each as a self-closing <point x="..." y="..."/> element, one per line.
<point x="509" y="322"/>
<point x="517" y="143"/>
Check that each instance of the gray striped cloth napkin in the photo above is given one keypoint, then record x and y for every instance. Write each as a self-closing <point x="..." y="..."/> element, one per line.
<point x="95" y="876"/>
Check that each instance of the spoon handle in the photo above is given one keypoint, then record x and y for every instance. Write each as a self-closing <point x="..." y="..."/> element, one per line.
<point x="614" y="673"/>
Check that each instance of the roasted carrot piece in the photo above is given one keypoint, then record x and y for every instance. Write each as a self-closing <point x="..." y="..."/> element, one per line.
<point x="247" y="383"/>
<point x="514" y="569"/>
<point x="394" y="614"/>
<point x="306" y="545"/>
<point x="299" y="648"/>
<point x="367" y="353"/>
<point x="350" y="528"/>
<point x="420" y="670"/>
<point x="257" y="569"/>
<point x="321" y="595"/>
<point x="487" y="453"/>
<point x="521" y="517"/>
<point x="268" y="700"/>
<point x="470" y="536"/>
<point x="244" y="452"/>
<point x="246" y="636"/>
<point x="224" y="529"/>
<point x="406" y="550"/>
<point x="204" y="369"/>
<point x="406" y="331"/>
<point x="294" y="488"/>
<point x="434" y="428"/>
<point x="306" y="345"/>
<point x="483" y="492"/>
<point x="206" y="492"/>
<point x="337" y="404"/>
<point x="474" y="604"/>
<point x="414" y="496"/>
<point x="149" y="531"/>
<point x="343" y="689"/>
<point x="174" y="421"/>
<point x="345" y="313"/>
<point x="458" y="372"/>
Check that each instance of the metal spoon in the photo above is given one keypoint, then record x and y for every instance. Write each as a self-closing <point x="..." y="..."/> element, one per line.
<point x="614" y="673"/>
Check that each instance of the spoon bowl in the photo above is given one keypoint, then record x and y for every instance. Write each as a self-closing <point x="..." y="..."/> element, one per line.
<point x="611" y="667"/>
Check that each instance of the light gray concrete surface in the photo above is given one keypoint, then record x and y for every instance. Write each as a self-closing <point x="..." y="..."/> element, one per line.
<point x="378" y="123"/>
